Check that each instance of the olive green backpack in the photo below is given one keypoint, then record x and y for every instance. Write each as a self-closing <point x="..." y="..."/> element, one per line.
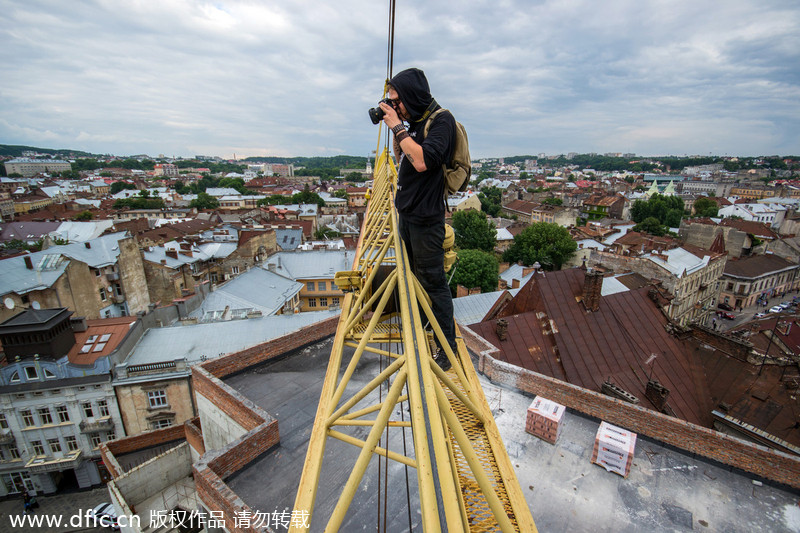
<point x="459" y="169"/>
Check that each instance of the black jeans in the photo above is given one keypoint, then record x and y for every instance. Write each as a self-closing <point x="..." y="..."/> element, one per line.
<point x="426" y="256"/>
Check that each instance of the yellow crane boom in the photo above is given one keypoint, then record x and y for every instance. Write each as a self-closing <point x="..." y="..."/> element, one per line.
<point x="464" y="479"/>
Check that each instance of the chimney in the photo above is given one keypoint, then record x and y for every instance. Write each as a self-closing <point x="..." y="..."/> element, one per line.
<point x="87" y="244"/>
<point x="28" y="262"/>
<point x="592" y="286"/>
<point x="172" y="253"/>
<point x="515" y="283"/>
<point x="657" y="394"/>
<point x="271" y="267"/>
<point x="502" y="329"/>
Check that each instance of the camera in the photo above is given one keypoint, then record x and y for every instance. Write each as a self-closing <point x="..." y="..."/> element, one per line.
<point x="376" y="113"/>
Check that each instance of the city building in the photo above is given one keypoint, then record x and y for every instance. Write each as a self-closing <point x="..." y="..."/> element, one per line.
<point x="27" y="167"/>
<point x="56" y="400"/>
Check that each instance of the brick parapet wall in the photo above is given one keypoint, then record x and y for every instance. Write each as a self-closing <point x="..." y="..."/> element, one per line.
<point x="243" y="411"/>
<point x="752" y="458"/>
<point x="736" y="348"/>
<point x="194" y="435"/>
<point x="109" y="450"/>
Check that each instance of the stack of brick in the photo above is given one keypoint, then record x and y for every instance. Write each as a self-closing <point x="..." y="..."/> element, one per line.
<point x="544" y="419"/>
<point x="613" y="449"/>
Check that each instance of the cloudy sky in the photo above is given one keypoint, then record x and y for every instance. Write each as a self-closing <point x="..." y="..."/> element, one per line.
<point x="296" y="77"/>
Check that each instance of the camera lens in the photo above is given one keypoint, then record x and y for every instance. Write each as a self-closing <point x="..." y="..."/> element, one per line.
<point x="376" y="114"/>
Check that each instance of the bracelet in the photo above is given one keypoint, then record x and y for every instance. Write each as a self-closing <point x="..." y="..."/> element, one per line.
<point x="397" y="129"/>
<point x="402" y="135"/>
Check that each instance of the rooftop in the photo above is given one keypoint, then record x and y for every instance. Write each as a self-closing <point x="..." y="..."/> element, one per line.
<point x="667" y="490"/>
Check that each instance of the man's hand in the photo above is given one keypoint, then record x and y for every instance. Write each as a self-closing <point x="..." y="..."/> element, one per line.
<point x="390" y="117"/>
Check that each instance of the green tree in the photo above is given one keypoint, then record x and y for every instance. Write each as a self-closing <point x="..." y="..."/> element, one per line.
<point x="553" y="201"/>
<point x="491" y="199"/>
<point x="474" y="231"/>
<point x="475" y="268"/>
<point x="307" y="197"/>
<point x="355" y="177"/>
<point x="204" y="201"/>
<point x="544" y="242"/>
<point x="274" y="199"/>
<point x="650" y="225"/>
<point x="324" y="233"/>
<point x="703" y="207"/>
<point x="122" y="185"/>
<point x="341" y="193"/>
<point x="84" y="215"/>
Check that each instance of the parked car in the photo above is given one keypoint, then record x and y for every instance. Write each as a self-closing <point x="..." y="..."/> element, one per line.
<point x="760" y="315"/>
<point x="106" y="515"/>
<point x="726" y="307"/>
<point x="786" y="305"/>
<point x="776" y="309"/>
<point x="726" y="315"/>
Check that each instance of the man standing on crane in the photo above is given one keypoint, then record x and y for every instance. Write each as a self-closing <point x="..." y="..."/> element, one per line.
<point x="420" y="189"/>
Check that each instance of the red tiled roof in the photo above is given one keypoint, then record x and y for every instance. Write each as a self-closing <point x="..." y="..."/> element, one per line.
<point x="116" y="328"/>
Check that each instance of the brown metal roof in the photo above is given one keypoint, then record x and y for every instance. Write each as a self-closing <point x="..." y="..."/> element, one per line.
<point x="756" y="266"/>
<point x="550" y="332"/>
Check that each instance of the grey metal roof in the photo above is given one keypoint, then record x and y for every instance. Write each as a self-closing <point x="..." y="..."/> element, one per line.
<point x="255" y="289"/>
<point x="49" y="265"/>
<point x="216" y="338"/>
<point x="311" y="264"/>
<point x="473" y="308"/>
<point x="289" y="238"/>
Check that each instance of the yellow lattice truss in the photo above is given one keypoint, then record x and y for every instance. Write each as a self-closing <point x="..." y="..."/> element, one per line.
<point x="464" y="477"/>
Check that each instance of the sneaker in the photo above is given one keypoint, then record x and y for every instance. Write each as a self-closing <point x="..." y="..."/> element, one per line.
<point x="441" y="359"/>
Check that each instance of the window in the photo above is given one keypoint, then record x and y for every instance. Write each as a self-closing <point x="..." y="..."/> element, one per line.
<point x="27" y="418"/>
<point x="72" y="443"/>
<point x="111" y="436"/>
<point x="55" y="445"/>
<point x="62" y="413"/>
<point x="335" y="301"/>
<point x="11" y="452"/>
<point x="321" y="285"/>
<point x="87" y="410"/>
<point x="17" y="482"/>
<point x="234" y="270"/>
<point x="44" y="416"/>
<point x="96" y="440"/>
<point x="102" y="406"/>
<point x="38" y="449"/>
<point x="15" y="378"/>
<point x="310" y="286"/>
<point x="157" y="398"/>
<point x="48" y="374"/>
<point x="102" y="295"/>
<point x="312" y="302"/>
<point x="323" y="302"/>
<point x="30" y="373"/>
<point x="159" y="424"/>
<point x="3" y="421"/>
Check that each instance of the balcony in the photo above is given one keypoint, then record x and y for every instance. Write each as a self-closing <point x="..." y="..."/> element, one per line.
<point x="103" y="424"/>
<point x="6" y="437"/>
<point x="39" y="464"/>
<point x="118" y="298"/>
<point x="112" y="276"/>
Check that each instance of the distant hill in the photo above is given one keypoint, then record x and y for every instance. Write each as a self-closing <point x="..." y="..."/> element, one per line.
<point x="13" y="150"/>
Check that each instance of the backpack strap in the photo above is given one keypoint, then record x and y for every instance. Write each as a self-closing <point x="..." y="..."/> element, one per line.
<point x="433" y="115"/>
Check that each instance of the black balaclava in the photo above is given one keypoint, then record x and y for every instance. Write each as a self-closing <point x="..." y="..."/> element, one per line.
<point x="413" y="90"/>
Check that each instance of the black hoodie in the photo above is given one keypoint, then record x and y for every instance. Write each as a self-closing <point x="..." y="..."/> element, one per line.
<point x="420" y="195"/>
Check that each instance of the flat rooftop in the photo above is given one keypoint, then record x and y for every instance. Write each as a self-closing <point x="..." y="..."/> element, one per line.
<point x="666" y="490"/>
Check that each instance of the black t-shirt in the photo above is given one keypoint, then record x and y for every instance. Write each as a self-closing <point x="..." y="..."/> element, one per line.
<point x="420" y="195"/>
